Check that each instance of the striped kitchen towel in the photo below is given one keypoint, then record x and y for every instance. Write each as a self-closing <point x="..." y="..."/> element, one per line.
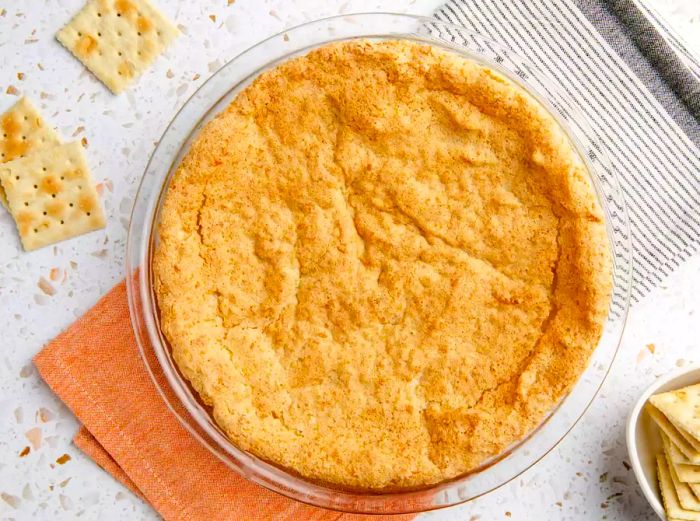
<point x="637" y="84"/>
<point x="646" y="15"/>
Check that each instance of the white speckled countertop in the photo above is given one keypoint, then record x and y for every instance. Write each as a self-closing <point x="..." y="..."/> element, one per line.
<point x="584" y="478"/>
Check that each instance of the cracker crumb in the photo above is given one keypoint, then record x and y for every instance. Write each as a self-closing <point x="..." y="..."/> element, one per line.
<point x="78" y="131"/>
<point x="212" y="17"/>
<point x="55" y="274"/>
<point x="169" y="74"/>
<point x="12" y="91"/>
<point x="196" y="77"/>
<point x="24" y="451"/>
<point x="20" y="76"/>
<point x="651" y="348"/>
<point x="84" y="142"/>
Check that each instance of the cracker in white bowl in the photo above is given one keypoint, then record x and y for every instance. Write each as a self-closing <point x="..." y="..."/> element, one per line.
<point x="672" y="505"/>
<point x="674" y="434"/>
<point x="686" y="497"/>
<point x="682" y="408"/>
<point x="687" y="472"/>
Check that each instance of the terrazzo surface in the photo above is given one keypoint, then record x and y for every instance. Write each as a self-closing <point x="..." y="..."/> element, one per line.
<point x="587" y="477"/>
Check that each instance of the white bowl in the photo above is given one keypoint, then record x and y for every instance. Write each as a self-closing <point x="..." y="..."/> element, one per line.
<point x="643" y="439"/>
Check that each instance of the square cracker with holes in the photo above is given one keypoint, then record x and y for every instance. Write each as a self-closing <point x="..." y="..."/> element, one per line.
<point x="51" y="195"/>
<point x="686" y="496"/>
<point x="686" y="471"/>
<point x="692" y="455"/>
<point x="682" y="408"/>
<point x="117" y="39"/>
<point x="672" y="506"/>
<point x="23" y="131"/>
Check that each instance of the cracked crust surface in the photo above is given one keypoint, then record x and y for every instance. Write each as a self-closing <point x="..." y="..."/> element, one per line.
<point x="381" y="265"/>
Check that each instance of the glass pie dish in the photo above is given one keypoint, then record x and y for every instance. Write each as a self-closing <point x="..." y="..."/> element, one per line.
<point x="212" y="97"/>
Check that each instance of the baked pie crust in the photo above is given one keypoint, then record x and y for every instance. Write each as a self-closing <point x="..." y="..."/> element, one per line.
<point x="381" y="265"/>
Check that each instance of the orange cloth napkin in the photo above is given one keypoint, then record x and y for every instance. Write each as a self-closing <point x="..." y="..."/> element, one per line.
<point x="95" y="368"/>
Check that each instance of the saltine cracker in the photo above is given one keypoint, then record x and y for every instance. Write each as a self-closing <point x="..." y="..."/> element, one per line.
<point x="674" y="510"/>
<point x="682" y="408"/>
<point x="686" y="472"/>
<point x="686" y="497"/>
<point x="674" y="435"/>
<point x="51" y="195"/>
<point x="117" y="39"/>
<point x="23" y="131"/>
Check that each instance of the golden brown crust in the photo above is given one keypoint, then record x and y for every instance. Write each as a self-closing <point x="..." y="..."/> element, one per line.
<point x="381" y="265"/>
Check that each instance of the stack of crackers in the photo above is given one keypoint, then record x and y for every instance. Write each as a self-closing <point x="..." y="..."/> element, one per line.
<point x="45" y="185"/>
<point x="677" y="414"/>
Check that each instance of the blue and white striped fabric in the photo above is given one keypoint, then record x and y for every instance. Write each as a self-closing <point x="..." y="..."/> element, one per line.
<point x="657" y="163"/>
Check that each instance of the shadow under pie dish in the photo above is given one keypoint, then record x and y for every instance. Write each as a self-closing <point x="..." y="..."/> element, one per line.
<point x="381" y="265"/>
<point x="215" y="100"/>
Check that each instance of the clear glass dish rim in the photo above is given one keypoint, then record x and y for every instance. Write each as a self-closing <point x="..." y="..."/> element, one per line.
<point x="148" y="335"/>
